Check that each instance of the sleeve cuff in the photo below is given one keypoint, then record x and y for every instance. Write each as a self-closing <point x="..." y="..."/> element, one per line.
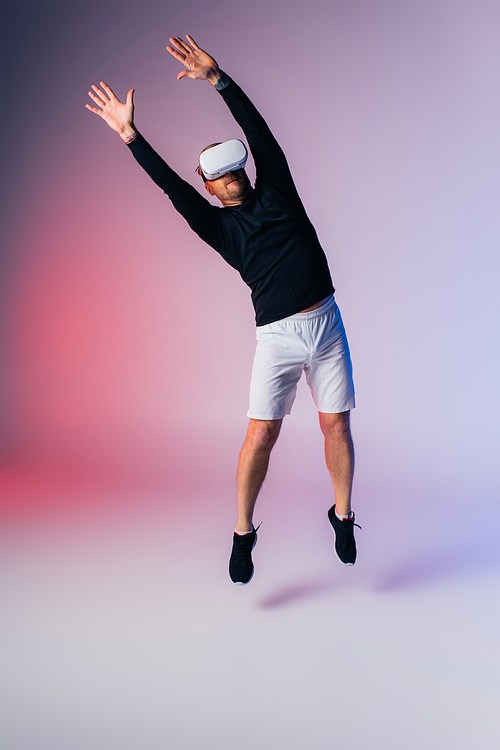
<point x="223" y="82"/>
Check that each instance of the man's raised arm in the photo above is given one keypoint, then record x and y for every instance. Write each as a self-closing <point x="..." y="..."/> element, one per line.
<point x="197" y="211"/>
<point x="270" y="161"/>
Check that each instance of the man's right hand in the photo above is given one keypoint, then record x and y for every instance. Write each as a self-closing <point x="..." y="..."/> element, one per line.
<point x="119" y="116"/>
<point x="199" y="64"/>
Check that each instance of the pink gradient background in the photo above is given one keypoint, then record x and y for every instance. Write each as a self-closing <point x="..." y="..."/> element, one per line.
<point x="123" y="406"/>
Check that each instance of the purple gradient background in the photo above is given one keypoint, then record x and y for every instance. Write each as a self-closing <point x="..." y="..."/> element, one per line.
<point x="122" y="405"/>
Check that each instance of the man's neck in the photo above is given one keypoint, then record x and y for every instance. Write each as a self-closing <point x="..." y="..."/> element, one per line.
<point x="229" y="203"/>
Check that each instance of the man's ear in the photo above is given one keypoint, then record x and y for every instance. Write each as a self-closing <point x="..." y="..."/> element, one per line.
<point x="208" y="188"/>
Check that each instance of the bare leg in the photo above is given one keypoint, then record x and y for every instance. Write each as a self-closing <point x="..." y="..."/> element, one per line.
<point x="252" y="467"/>
<point x="339" y="451"/>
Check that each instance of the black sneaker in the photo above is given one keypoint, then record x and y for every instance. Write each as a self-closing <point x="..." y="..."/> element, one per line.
<point x="345" y="545"/>
<point x="240" y="563"/>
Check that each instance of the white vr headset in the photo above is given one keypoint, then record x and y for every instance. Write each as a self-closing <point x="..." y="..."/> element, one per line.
<point x="226" y="157"/>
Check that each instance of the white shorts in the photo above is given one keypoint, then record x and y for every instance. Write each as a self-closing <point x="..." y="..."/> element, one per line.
<point x="313" y="342"/>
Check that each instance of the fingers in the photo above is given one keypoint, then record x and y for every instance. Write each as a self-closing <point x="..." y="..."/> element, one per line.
<point x="181" y="49"/>
<point x="177" y="55"/>
<point x="93" y="109"/>
<point x="107" y="90"/>
<point x="100" y="102"/>
<point x="130" y="98"/>
<point x="96" y="111"/>
<point x="97" y="90"/>
<point x="181" y="45"/>
<point x="193" y="43"/>
<point x="106" y="101"/>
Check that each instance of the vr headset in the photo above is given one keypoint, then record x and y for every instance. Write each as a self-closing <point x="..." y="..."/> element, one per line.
<point x="226" y="157"/>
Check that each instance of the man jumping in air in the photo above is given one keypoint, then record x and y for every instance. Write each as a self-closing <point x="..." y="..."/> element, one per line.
<point x="264" y="233"/>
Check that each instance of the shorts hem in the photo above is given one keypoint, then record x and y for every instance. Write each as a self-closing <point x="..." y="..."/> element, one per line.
<point x="266" y="418"/>
<point x="336" y="411"/>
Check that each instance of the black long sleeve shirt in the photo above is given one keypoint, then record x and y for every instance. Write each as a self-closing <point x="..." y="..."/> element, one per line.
<point x="268" y="239"/>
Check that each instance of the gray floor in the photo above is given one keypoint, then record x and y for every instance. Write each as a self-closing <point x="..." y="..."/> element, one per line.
<point x="121" y="629"/>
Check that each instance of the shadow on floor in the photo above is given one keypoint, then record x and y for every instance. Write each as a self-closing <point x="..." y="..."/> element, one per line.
<point x="435" y="566"/>
<point x="297" y="592"/>
<point x="426" y="569"/>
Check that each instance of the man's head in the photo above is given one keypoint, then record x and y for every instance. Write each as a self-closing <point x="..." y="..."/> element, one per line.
<point x="233" y="187"/>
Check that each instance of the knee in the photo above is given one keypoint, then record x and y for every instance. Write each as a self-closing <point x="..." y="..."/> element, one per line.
<point x="262" y="434"/>
<point x="335" y="426"/>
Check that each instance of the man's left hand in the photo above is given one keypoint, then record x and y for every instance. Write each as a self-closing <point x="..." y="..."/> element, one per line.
<point x="199" y="64"/>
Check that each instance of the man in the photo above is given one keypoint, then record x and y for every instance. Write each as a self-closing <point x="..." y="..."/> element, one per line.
<point x="265" y="234"/>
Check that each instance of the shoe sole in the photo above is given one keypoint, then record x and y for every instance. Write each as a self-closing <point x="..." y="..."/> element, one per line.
<point x="240" y="583"/>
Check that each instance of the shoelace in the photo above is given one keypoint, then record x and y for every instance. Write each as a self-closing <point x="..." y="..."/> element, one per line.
<point x="242" y="550"/>
<point x="244" y="544"/>
<point x="348" y="528"/>
<point x="351" y="520"/>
